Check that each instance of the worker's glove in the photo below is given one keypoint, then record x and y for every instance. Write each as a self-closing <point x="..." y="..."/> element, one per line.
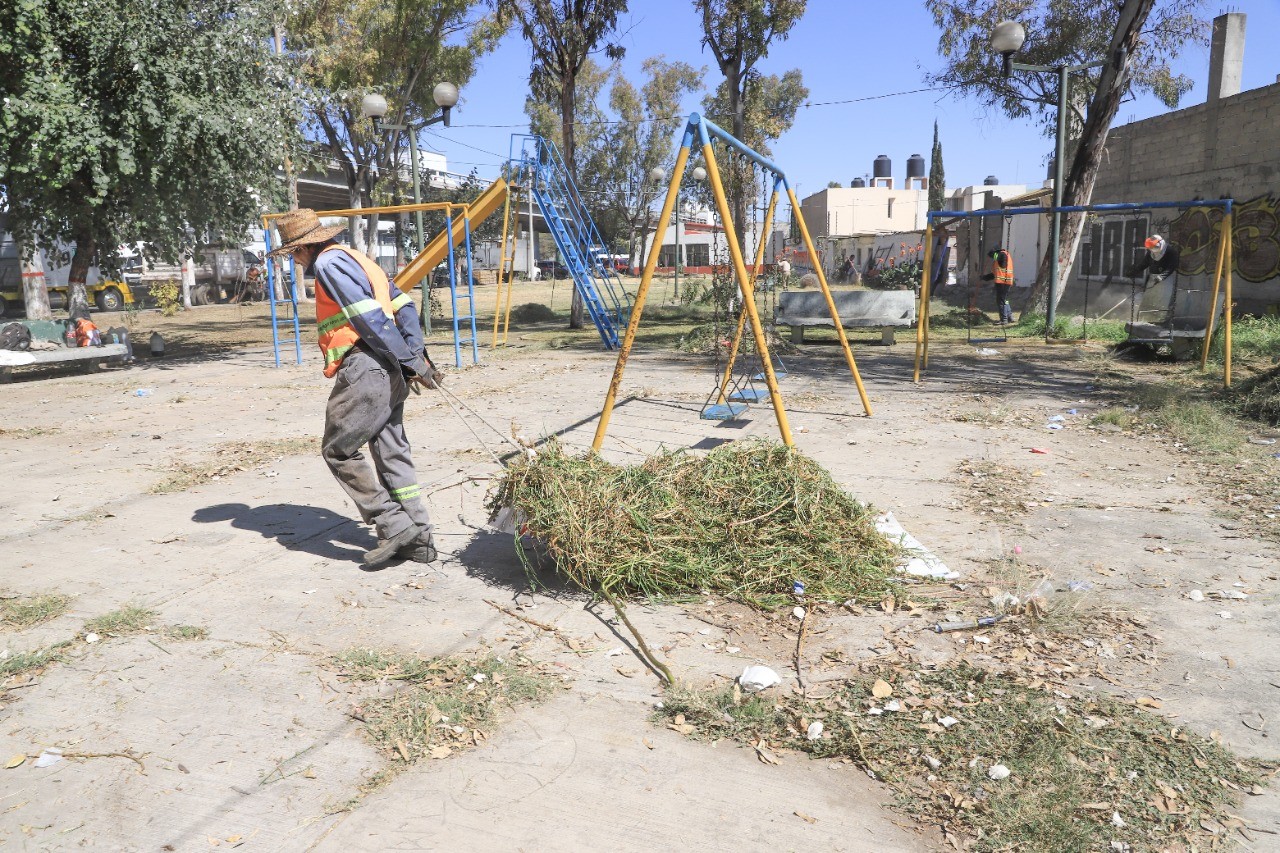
<point x="424" y="374"/>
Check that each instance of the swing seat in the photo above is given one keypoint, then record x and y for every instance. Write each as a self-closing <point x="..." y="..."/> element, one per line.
<point x="749" y="395"/>
<point x="777" y="374"/>
<point x="722" y="411"/>
<point x="988" y="340"/>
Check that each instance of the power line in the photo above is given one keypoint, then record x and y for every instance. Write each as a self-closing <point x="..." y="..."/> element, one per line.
<point x="674" y="116"/>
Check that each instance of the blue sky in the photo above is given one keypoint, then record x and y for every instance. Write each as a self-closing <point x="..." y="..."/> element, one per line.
<point x="846" y="50"/>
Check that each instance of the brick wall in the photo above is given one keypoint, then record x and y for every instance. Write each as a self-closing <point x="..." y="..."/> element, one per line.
<point x="1230" y="147"/>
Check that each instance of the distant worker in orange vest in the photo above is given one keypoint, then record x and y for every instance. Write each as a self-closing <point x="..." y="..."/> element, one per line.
<point x="372" y="343"/>
<point x="1002" y="274"/>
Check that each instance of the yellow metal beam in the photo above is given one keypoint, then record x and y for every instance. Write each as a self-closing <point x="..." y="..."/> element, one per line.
<point x="646" y="279"/>
<point x="1224" y="234"/>
<point x="742" y="315"/>
<point x="431" y="256"/>
<point x="922" y="313"/>
<point x="744" y="284"/>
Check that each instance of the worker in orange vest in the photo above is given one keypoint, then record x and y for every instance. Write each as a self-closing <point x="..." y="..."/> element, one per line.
<point x="1002" y="274"/>
<point x="372" y="343"/>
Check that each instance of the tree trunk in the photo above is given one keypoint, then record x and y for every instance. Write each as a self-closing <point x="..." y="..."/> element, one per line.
<point x="568" y="97"/>
<point x="738" y="169"/>
<point x="1077" y="189"/>
<point x="188" y="279"/>
<point x="355" y="224"/>
<point x="35" y="293"/>
<point x="77" y="295"/>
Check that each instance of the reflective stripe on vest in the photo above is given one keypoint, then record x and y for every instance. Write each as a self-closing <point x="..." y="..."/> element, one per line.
<point x="1004" y="275"/>
<point x="333" y="321"/>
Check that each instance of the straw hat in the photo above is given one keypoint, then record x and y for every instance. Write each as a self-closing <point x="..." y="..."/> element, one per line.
<point x="301" y="227"/>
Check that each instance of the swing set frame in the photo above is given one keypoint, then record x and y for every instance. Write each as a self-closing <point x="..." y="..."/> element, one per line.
<point x="1222" y="279"/>
<point x="705" y="131"/>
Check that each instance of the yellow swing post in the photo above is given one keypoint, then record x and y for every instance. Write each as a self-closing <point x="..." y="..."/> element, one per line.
<point x="502" y="267"/>
<point x="926" y="284"/>
<point x="646" y="279"/>
<point x="1227" y="312"/>
<point x="744" y="285"/>
<point x="1224" y="234"/>
<point x="831" y="303"/>
<point x="742" y="315"/>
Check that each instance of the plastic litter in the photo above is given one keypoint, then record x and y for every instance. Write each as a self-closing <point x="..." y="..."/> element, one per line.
<point x="797" y="588"/>
<point x="1073" y="411"/>
<point x="998" y="772"/>
<point x="91" y="638"/>
<point x="815" y="731"/>
<point x="1234" y="594"/>
<point x="947" y="722"/>
<point x="921" y="562"/>
<point x="968" y="624"/>
<point x="1057" y="419"/>
<point x="1117" y="821"/>
<point x="1079" y="586"/>
<point x="1053" y="426"/>
<point x="1196" y="595"/>
<point x="933" y="763"/>
<point x="1039" y="450"/>
<point x="757" y="678"/>
<point x="798" y="612"/>
<point x="986" y="351"/>
<point x="49" y="757"/>
<point x="893" y="705"/>
<point x="1263" y="441"/>
<point x="144" y="392"/>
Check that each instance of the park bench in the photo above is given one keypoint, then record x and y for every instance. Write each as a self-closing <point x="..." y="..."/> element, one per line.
<point x="886" y="310"/>
<point x="90" y="358"/>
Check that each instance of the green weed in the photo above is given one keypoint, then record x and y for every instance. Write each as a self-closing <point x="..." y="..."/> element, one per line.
<point x="130" y="619"/>
<point x="26" y="611"/>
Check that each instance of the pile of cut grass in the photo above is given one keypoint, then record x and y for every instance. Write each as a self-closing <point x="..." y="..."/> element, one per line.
<point x="1086" y="771"/>
<point x="228" y="459"/>
<point x="1258" y="397"/>
<point x="747" y="520"/>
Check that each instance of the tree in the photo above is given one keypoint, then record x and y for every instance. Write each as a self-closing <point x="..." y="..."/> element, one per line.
<point x="641" y="140"/>
<point x="562" y="35"/>
<point x="937" y="176"/>
<point x="1137" y="46"/>
<point x="834" y="185"/>
<point x="738" y="34"/>
<point x="127" y="121"/>
<point x="399" y="48"/>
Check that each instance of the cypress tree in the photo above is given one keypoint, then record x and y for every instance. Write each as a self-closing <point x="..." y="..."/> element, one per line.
<point x="937" y="177"/>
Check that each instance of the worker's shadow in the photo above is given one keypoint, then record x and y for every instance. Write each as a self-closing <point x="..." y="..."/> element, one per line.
<point x="312" y="529"/>
<point x="499" y="560"/>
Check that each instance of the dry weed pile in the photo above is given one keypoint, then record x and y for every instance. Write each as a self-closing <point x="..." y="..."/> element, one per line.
<point x="747" y="520"/>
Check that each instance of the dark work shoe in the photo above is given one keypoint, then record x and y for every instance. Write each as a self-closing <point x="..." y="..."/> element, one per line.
<point x="418" y="552"/>
<point x="387" y="548"/>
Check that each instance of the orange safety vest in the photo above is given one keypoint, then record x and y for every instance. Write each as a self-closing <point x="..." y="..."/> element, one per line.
<point x="337" y="335"/>
<point x="1003" y="275"/>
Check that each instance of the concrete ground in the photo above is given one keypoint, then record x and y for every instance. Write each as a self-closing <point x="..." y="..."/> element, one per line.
<point x="246" y="737"/>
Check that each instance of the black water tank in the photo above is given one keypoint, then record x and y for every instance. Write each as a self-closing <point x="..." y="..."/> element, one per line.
<point x="1050" y="176"/>
<point x="991" y="181"/>
<point x="882" y="167"/>
<point x="915" y="166"/>
<point x="858" y="182"/>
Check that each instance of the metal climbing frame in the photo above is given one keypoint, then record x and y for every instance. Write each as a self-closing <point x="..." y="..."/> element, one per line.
<point x="291" y="301"/>
<point x="705" y="132"/>
<point x="576" y="236"/>
<point x="1223" y="272"/>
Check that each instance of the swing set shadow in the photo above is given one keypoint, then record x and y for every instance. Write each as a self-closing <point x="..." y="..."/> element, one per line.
<point x="935" y="242"/>
<point x="729" y="399"/>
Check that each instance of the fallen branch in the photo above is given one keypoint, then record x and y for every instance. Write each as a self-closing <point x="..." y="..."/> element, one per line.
<point x="142" y="768"/>
<point x="649" y="656"/>
<point x="804" y="626"/>
<point x="551" y="629"/>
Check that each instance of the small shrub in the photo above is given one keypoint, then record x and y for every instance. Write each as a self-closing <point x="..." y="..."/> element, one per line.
<point x="168" y="297"/>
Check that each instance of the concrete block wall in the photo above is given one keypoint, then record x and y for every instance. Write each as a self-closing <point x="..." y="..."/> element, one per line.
<point x="1225" y="147"/>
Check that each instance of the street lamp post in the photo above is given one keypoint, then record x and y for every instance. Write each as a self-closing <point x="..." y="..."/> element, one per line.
<point x="1007" y="39"/>
<point x="373" y="106"/>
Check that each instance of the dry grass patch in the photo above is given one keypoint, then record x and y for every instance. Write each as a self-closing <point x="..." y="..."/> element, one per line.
<point x="443" y="706"/>
<point x="1085" y="773"/>
<point x="231" y="458"/>
<point x="186" y="632"/>
<point x="989" y="488"/>
<point x="30" y="610"/>
<point x="128" y="620"/>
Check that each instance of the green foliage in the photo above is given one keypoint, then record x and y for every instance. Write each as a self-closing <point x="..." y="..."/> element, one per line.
<point x="168" y="296"/>
<point x="906" y="276"/>
<point x="1058" y="33"/>
<point x="129" y="121"/>
<point x="1259" y="397"/>
<point x="27" y="611"/>
<point x="937" y="174"/>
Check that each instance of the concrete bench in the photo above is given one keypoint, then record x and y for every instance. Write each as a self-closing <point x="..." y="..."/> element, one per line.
<point x="886" y="310"/>
<point x="90" y="358"/>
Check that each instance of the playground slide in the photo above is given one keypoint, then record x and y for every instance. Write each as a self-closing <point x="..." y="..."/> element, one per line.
<point x="429" y="258"/>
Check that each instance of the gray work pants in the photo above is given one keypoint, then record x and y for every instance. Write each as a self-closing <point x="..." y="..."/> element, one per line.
<point x="366" y="406"/>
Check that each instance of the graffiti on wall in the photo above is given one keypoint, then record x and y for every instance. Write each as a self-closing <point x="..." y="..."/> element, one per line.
<point x="1255" y="239"/>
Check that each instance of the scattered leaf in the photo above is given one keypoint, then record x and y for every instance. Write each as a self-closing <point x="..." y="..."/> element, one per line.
<point x="14" y="762"/>
<point x="804" y="817"/>
<point x="1148" y="702"/>
<point x="881" y="689"/>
